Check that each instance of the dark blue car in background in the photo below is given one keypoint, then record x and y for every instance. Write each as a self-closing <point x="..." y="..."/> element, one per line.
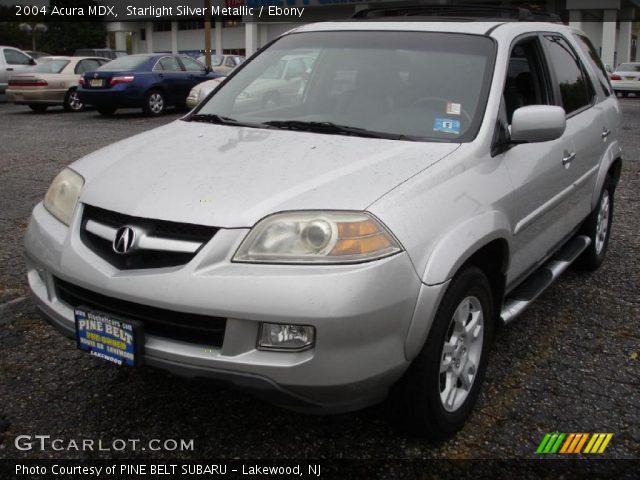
<point x="151" y="82"/>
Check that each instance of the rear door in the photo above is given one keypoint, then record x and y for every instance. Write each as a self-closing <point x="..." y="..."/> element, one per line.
<point x="171" y="77"/>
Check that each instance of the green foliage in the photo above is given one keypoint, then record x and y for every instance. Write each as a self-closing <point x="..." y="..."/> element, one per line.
<point x="63" y="37"/>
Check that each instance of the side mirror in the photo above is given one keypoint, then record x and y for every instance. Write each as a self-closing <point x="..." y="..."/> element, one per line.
<point x="32" y="61"/>
<point x="537" y="123"/>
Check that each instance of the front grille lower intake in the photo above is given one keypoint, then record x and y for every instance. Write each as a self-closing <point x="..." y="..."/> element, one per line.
<point x="160" y="243"/>
<point x="186" y="327"/>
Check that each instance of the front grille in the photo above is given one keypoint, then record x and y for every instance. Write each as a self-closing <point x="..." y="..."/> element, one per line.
<point x="139" y="259"/>
<point x="186" y="327"/>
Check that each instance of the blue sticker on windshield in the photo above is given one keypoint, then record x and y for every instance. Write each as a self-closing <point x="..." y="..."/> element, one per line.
<point x="446" y="125"/>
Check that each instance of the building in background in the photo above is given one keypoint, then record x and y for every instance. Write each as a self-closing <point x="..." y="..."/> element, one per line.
<point x="610" y="24"/>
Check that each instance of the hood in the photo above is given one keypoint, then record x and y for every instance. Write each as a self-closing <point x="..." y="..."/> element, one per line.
<point x="229" y="176"/>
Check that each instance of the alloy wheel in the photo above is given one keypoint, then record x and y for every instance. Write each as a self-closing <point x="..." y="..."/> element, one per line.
<point x="602" y="223"/>
<point x="461" y="353"/>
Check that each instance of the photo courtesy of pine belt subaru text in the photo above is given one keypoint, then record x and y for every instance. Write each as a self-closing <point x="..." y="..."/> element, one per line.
<point x="324" y="232"/>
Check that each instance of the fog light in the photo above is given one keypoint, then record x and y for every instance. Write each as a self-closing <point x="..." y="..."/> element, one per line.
<point x="275" y="336"/>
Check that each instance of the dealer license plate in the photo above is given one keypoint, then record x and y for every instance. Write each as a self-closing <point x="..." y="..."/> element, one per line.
<point x="95" y="82"/>
<point x="109" y="337"/>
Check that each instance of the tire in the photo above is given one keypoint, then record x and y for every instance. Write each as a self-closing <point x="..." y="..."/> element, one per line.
<point x="154" y="103"/>
<point x="434" y="400"/>
<point x="72" y="101"/>
<point x="106" y="111"/>
<point x="597" y="227"/>
<point x="38" y="108"/>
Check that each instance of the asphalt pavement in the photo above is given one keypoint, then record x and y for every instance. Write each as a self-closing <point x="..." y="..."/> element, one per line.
<point x="570" y="363"/>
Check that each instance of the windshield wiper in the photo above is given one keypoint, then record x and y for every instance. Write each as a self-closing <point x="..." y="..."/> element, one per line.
<point x="220" y="120"/>
<point x="333" y="128"/>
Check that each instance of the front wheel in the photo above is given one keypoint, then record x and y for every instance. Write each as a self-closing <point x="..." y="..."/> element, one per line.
<point x="154" y="103"/>
<point x="442" y="384"/>
<point x="597" y="227"/>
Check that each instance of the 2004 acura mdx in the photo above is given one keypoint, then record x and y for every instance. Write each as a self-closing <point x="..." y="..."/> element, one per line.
<point x="369" y="229"/>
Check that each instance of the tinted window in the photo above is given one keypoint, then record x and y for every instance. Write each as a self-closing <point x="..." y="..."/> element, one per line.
<point x="168" y="64"/>
<point x="525" y="83"/>
<point x="14" y="57"/>
<point x="129" y="62"/>
<point x="575" y="89"/>
<point x="50" y="66"/>
<point x="595" y="62"/>
<point x="191" y="65"/>
<point x="87" y="65"/>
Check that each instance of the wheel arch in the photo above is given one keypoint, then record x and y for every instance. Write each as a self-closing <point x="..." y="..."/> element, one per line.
<point x="490" y="252"/>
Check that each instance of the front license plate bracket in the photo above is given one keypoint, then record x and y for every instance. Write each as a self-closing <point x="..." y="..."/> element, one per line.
<point x="110" y="337"/>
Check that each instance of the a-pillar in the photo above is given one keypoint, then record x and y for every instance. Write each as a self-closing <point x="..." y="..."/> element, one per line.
<point x="609" y="37"/>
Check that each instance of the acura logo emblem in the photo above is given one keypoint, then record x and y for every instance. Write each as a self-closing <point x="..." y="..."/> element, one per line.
<point x="95" y="75"/>
<point x="123" y="242"/>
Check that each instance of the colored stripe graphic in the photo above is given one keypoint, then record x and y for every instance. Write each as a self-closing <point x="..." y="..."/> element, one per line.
<point x="563" y="443"/>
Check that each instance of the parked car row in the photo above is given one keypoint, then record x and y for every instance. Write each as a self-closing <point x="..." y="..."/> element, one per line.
<point x="626" y="78"/>
<point x="109" y="79"/>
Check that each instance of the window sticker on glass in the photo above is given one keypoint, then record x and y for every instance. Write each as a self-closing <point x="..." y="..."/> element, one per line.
<point x="453" y="108"/>
<point x="446" y="125"/>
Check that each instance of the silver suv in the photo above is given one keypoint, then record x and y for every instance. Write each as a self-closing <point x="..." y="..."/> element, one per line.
<point x="422" y="186"/>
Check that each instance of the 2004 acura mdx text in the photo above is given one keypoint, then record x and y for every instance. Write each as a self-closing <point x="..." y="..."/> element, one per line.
<point x="370" y="228"/>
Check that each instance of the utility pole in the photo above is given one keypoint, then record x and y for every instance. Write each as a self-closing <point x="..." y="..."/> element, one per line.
<point x="207" y="33"/>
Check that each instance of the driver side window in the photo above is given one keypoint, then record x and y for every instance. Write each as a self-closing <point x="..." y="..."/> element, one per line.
<point x="526" y="82"/>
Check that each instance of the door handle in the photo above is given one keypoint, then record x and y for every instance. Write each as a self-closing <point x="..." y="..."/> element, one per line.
<point x="9" y="69"/>
<point x="605" y="133"/>
<point x="568" y="158"/>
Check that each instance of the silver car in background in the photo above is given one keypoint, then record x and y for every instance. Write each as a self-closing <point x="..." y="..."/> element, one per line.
<point x="369" y="230"/>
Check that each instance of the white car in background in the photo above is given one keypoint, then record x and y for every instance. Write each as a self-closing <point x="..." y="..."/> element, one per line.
<point x="626" y="79"/>
<point x="12" y="61"/>
<point x="200" y="91"/>
<point x="223" y="64"/>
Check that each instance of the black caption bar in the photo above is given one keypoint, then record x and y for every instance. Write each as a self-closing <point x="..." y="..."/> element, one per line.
<point x="324" y="469"/>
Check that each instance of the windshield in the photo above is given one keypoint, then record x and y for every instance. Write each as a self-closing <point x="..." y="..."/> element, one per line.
<point x="50" y="66"/>
<point x="128" y="62"/>
<point x="423" y="85"/>
<point x="628" y="67"/>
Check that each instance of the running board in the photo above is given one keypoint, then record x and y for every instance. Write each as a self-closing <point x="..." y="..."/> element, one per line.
<point x="520" y="298"/>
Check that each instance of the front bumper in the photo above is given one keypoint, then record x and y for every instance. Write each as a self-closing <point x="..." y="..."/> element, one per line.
<point x="362" y="314"/>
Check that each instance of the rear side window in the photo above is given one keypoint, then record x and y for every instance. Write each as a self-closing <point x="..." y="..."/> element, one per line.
<point x="13" y="57"/>
<point x="168" y="64"/>
<point x="596" y="64"/>
<point x="576" y="91"/>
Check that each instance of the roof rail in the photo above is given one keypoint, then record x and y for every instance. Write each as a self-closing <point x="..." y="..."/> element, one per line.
<point x="456" y="11"/>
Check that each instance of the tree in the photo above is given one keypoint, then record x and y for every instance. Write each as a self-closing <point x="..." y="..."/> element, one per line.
<point x="64" y="37"/>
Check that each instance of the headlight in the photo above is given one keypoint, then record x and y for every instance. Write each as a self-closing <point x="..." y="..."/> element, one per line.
<point x="63" y="194"/>
<point x="317" y="237"/>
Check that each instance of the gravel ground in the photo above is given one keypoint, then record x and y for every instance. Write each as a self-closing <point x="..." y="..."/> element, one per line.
<point x="569" y="364"/>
